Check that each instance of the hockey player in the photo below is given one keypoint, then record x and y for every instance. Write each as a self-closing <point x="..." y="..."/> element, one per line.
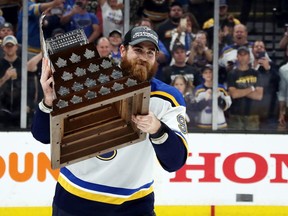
<point x="121" y="183"/>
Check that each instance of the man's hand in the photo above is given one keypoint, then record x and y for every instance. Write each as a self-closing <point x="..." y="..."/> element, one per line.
<point x="47" y="81"/>
<point x="147" y="123"/>
<point x="11" y="73"/>
<point x="264" y="62"/>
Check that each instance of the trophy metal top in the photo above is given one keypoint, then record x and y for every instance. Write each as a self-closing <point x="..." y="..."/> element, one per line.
<point x="70" y="39"/>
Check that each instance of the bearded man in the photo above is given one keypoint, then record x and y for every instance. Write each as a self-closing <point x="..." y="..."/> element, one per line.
<point x="122" y="184"/>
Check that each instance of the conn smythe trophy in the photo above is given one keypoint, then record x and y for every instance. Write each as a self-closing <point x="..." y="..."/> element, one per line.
<point x="94" y="101"/>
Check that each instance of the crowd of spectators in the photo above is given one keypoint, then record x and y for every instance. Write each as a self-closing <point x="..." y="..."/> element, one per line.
<point x="252" y="90"/>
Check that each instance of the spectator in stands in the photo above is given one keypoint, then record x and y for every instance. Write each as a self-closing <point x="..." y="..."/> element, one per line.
<point x="270" y="76"/>
<point x="229" y="53"/>
<point x="112" y="16"/>
<point x="283" y="95"/>
<point x="156" y="11"/>
<point x="180" y="67"/>
<point x="200" y="54"/>
<point x="34" y="11"/>
<point x="246" y="89"/>
<point x="115" y="39"/>
<point x="103" y="47"/>
<point x="163" y="56"/>
<point x="7" y="29"/>
<point x="203" y="98"/>
<point x="79" y="17"/>
<point x="10" y="84"/>
<point x="226" y="22"/>
<point x="185" y="32"/>
<point x="186" y="87"/>
<point x="228" y="56"/>
<point x="165" y="28"/>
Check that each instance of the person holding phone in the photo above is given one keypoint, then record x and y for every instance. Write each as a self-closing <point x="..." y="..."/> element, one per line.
<point x="270" y="76"/>
<point x="200" y="54"/>
<point x="261" y="58"/>
<point x="185" y="32"/>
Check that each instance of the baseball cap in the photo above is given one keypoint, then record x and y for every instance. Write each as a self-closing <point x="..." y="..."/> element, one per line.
<point x="223" y="3"/>
<point x="178" y="45"/>
<point x="9" y="39"/>
<point x="115" y="31"/>
<point x="243" y="49"/>
<point x="6" y="25"/>
<point x="207" y="66"/>
<point x="140" y="34"/>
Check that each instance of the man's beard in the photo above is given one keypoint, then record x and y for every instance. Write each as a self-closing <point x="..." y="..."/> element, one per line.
<point x="142" y="70"/>
<point x="175" y="19"/>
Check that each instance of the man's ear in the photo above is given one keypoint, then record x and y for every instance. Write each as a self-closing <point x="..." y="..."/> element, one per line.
<point x="122" y="50"/>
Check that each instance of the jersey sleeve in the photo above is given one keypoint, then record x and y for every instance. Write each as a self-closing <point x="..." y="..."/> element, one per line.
<point x="40" y="128"/>
<point x="168" y="105"/>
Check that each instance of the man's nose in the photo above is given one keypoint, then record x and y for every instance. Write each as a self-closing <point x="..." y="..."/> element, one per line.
<point x="144" y="56"/>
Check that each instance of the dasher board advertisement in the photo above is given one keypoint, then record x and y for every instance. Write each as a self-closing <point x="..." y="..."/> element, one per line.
<point x="222" y="169"/>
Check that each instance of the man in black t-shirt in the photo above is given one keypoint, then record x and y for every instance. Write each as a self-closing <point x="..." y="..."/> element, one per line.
<point x="245" y="87"/>
<point x="180" y="67"/>
<point x="10" y="84"/>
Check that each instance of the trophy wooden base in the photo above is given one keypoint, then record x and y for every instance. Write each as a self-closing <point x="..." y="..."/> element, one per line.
<point x="98" y="128"/>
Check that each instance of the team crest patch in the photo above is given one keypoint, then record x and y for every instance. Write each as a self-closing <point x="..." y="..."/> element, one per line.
<point x="107" y="156"/>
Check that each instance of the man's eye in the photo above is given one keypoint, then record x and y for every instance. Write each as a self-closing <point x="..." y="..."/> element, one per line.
<point x="138" y="50"/>
<point x="151" y="53"/>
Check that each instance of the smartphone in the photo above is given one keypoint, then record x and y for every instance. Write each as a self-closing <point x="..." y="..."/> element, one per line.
<point x="56" y="11"/>
<point x="183" y="22"/>
<point x="261" y="55"/>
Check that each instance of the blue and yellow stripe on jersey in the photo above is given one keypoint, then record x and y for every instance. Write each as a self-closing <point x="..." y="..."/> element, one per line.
<point x="166" y="92"/>
<point x="175" y="98"/>
<point x="101" y="193"/>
